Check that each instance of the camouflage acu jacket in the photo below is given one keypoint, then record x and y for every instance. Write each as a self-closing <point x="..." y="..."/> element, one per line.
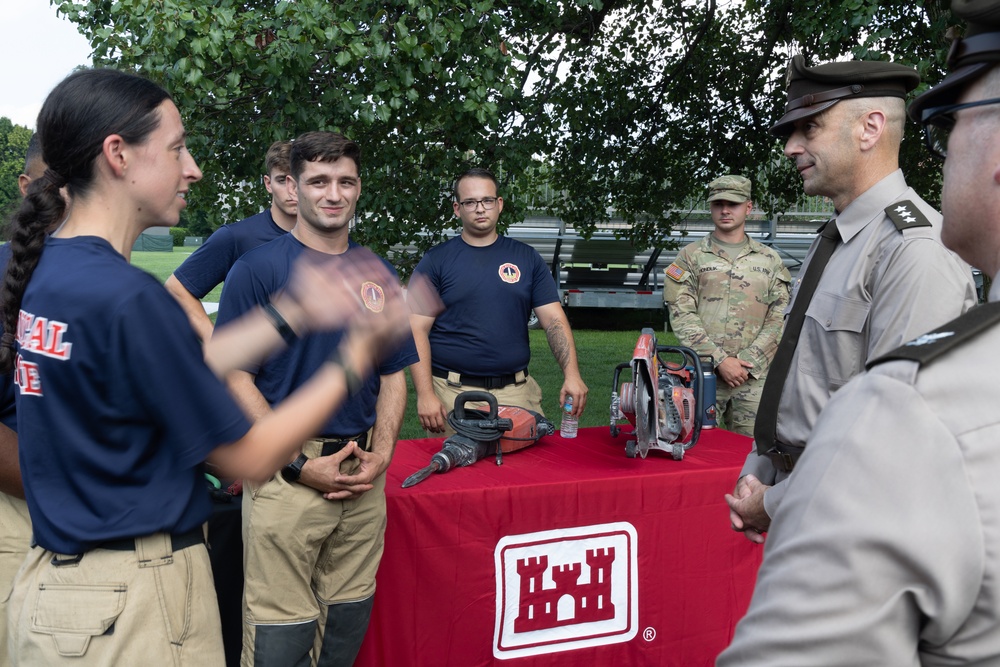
<point x="727" y="307"/>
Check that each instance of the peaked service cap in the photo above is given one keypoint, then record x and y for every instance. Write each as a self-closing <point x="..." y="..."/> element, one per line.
<point x="970" y="56"/>
<point x="813" y="90"/>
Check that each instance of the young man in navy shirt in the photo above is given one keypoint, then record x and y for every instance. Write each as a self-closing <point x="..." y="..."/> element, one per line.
<point x="313" y="535"/>
<point x="489" y="284"/>
<point x="208" y="265"/>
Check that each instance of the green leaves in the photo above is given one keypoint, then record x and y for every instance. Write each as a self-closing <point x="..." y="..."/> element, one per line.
<point x="13" y="145"/>
<point x="585" y="108"/>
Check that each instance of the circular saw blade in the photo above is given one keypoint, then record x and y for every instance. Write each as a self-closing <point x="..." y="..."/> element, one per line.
<point x="645" y="412"/>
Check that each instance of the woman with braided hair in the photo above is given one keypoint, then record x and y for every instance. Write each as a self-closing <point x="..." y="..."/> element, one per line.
<point x="117" y="406"/>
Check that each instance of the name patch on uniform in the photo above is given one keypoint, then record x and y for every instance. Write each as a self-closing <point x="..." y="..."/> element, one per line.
<point x="676" y="273"/>
<point x="373" y="296"/>
<point x="509" y="273"/>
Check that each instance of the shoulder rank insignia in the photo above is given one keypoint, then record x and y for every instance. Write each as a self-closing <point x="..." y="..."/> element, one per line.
<point x="931" y="345"/>
<point x="676" y="273"/>
<point x="904" y="214"/>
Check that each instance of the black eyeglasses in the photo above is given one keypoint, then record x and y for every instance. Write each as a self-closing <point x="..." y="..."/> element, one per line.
<point x="938" y="123"/>
<point x="472" y="204"/>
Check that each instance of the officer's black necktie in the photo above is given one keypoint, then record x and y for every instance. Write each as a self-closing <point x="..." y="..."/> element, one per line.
<point x="766" y="425"/>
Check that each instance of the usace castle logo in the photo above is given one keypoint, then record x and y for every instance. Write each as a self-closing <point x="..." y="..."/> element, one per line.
<point x="566" y="589"/>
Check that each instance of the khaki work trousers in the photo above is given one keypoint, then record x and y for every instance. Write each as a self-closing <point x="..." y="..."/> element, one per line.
<point x="302" y="552"/>
<point x="150" y="606"/>
<point x="15" y="540"/>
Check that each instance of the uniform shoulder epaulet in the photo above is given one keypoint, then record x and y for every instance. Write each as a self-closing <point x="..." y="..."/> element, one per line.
<point x="931" y="345"/>
<point x="905" y="215"/>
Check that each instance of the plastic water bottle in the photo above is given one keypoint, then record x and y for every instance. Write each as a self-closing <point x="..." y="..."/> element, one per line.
<point x="569" y="421"/>
<point x="708" y="394"/>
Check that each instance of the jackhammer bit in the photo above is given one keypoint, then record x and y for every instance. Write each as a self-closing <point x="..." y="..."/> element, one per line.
<point x="457" y="451"/>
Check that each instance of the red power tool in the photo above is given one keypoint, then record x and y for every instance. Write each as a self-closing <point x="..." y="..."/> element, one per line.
<point x="478" y="433"/>
<point x="662" y="402"/>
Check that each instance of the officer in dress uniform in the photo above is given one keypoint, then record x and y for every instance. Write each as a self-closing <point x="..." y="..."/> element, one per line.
<point x="883" y="551"/>
<point x="886" y="278"/>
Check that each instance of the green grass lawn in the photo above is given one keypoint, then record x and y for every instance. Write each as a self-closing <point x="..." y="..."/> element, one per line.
<point x="162" y="264"/>
<point x="599" y="353"/>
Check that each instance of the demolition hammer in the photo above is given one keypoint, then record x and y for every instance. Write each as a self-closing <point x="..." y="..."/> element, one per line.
<point x="501" y="429"/>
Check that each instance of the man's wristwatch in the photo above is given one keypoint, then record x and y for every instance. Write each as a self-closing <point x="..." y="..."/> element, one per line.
<point x="293" y="470"/>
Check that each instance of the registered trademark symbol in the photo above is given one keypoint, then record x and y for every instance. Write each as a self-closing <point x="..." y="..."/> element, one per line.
<point x="649" y="634"/>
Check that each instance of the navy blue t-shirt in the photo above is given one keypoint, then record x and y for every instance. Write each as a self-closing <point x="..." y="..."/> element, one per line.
<point x="253" y="279"/>
<point x="208" y="265"/>
<point x="488" y="293"/>
<point x="116" y="408"/>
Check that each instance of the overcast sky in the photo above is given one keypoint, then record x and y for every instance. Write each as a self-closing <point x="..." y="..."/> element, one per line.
<point x="39" y="48"/>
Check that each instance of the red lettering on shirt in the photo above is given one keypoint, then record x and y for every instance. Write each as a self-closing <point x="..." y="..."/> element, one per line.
<point x="39" y="334"/>
<point x="27" y="378"/>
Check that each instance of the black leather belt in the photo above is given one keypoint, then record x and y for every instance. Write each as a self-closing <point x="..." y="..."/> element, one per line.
<point x="784" y="456"/>
<point x="483" y="381"/>
<point x="334" y="444"/>
<point x="178" y="541"/>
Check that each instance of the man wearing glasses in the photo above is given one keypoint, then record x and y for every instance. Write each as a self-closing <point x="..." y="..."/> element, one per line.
<point x="886" y="279"/>
<point x="884" y="549"/>
<point x="489" y="284"/>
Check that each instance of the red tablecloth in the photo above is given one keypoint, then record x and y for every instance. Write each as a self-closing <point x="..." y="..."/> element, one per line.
<point x="569" y="553"/>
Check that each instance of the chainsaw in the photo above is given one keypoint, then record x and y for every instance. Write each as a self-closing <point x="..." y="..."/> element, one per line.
<point x="663" y="400"/>
<point x="478" y="433"/>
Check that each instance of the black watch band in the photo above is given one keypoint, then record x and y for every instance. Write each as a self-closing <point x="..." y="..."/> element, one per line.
<point x="293" y="470"/>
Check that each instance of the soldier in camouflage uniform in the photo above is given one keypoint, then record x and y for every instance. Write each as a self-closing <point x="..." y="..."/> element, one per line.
<point x="727" y="296"/>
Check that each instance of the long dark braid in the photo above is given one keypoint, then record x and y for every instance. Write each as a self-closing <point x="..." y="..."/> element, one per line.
<point x="83" y="110"/>
<point x="40" y="212"/>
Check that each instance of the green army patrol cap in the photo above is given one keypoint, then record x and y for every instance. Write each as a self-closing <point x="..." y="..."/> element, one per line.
<point x="970" y="56"/>
<point x="813" y="90"/>
<point x="729" y="188"/>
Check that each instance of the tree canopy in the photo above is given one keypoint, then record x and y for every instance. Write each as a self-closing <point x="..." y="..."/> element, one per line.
<point x="583" y="107"/>
<point x="13" y="145"/>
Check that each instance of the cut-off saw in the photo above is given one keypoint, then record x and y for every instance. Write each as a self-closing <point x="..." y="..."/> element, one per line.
<point x="662" y="402"/>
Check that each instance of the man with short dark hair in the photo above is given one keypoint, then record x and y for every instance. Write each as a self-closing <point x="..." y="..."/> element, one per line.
<point x="489" y="284"/>
<point x="877" y="275"/>
<point x="207" y="266"/>
<point x="883" y="551"/>
<point x="313" y="535"/>
<point x="726" y="295"/>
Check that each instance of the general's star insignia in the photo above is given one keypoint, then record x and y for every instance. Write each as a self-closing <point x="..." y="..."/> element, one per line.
<point x="905" y="215"/>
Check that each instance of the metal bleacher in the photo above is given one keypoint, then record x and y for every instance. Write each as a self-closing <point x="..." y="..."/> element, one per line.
<point x="607" y="272"/>
<point x="604" y="271"/>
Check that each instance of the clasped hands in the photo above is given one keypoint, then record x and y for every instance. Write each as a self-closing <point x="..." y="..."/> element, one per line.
<point x="324" y="475"/>
<point x="746" y="508"/>
<point x="734" y="372"/>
